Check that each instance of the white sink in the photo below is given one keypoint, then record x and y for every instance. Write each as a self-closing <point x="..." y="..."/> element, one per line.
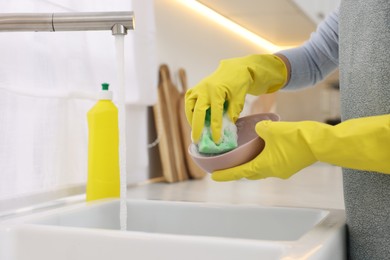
<point x="174" y="230"/>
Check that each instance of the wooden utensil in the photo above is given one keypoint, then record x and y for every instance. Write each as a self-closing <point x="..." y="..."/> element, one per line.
<point x="172" y="96"/>
<point x="162" y="125"/>
<point x="185" y="130"/>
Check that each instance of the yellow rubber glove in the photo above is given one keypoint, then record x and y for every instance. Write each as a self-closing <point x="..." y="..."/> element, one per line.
<point x="362" y="144"/>
<point x="234" y="78"/>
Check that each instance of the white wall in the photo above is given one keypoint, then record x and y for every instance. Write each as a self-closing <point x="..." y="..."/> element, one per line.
<point x="43" y="133"/>
<point x="317" y="9"/>
<point x="189" y="40"/>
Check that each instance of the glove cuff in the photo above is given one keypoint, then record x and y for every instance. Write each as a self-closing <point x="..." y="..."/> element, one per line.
<point x="361" y="143"/>
<point x="269" y="73"/>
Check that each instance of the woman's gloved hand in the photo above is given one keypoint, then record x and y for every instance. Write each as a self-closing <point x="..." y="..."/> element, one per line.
<point x="233" y="79"/>
<point x="361" y="144"/>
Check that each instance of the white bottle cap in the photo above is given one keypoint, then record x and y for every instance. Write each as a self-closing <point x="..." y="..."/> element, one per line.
<point x="105" y="94"/>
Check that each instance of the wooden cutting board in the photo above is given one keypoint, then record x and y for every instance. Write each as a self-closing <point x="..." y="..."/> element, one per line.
<point x="185" y="131"/>
<point x="171" y="152"/>
<point x="165" y="150"/>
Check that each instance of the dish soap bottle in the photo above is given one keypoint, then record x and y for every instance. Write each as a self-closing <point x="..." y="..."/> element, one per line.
<point x="103" y="148"/>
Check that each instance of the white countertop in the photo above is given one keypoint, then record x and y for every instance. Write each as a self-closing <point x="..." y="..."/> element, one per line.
<point x="318" y="186"/>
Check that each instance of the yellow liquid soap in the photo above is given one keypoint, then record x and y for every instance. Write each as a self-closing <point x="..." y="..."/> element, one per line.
<point x="103" y="149"/>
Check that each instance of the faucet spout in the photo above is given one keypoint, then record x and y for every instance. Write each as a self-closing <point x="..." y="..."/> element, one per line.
<point x="119" y="29"/>
<point x="53" y="22"/>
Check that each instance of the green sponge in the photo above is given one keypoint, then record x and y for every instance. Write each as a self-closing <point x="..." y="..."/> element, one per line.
<point x="206" y="145"/>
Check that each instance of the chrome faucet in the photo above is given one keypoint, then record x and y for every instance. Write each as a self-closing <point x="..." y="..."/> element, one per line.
<point x="117" y="22"/>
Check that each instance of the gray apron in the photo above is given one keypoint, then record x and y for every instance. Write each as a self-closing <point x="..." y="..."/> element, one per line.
<point x="364" y="45"/>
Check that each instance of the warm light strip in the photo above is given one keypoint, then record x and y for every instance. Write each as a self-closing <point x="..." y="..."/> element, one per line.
<point x="232" y="26"/>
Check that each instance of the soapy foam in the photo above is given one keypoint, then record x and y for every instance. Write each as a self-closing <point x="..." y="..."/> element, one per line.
<point x="206" y="145"/>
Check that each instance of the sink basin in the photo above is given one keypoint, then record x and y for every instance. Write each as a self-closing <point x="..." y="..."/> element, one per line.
<point x="174" y="230"/>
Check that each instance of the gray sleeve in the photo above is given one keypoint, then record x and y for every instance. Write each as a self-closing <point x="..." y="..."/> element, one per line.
<point x="317" y="57"/>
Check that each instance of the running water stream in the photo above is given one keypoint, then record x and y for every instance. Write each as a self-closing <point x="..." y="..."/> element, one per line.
<point x="119" y="45"/>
